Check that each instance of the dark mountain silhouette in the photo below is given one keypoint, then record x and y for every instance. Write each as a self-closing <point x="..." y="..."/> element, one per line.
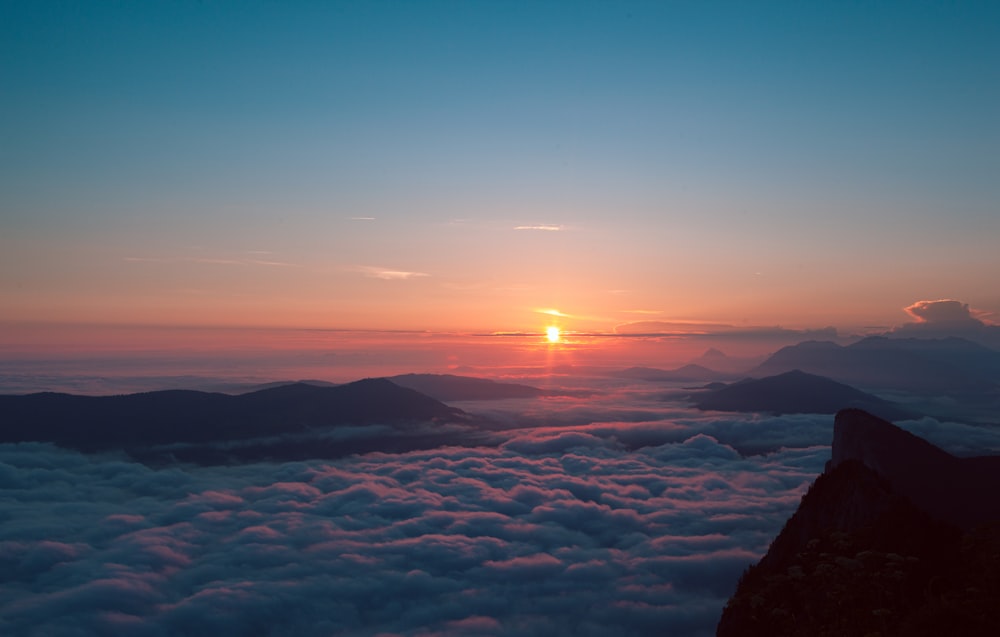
<point x="686" y="373"/>
<point x="951" y="366"/>
<point x="897" y="537"/>
<point x="720" y="361"/>
<point x="714" y="354"/>
<point x="135" y="422"/>
<point x="448" y="387"/>
<point x="243" y="389"/>
<point x="962" y="491"/>
<point x="794" y="392"/>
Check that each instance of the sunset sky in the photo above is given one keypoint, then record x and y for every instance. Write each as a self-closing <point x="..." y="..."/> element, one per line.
<point x="491" y="167"/>
<point x="228" y="196"/>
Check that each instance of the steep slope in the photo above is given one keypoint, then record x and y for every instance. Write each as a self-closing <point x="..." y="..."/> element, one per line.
<point x="959" y="490"/>
<point x="877" y="547"/>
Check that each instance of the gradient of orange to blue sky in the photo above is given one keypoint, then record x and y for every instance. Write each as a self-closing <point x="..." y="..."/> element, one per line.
<point x="467" y="166"/>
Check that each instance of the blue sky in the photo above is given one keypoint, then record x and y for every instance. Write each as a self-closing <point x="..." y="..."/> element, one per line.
<point x="681" y="153"/>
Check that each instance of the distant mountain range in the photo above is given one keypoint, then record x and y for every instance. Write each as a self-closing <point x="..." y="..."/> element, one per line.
<point x="896" y="538"/>
<point x="721" y="362"/>
<point x="452" y="387"/>
<point x="449" y="387"/>
<point x="194" y="424"/>
<point x="795" y="392"/>
<point x="949" y="366"/>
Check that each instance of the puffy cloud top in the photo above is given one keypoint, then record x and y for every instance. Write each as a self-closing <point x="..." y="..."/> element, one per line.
<point x="946" y="318"/>
<point x="944" y="312"/>
<point x="547" y="535"/>
<point x="616" y="516"/>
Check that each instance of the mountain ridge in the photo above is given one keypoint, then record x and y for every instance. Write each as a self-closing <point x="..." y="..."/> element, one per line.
<point x="794" y="392"/>
<point x="449" y="387"/>
<point x="939" y="366"/>
<point x="872" y="537"/>
<point x="171" y="417"/>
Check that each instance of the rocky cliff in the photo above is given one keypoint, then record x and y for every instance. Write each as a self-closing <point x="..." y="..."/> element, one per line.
<point x="897" y="537"/>
<point x="962" y="491"/>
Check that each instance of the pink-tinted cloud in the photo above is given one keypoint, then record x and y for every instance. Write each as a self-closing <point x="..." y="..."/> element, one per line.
<point x="620" y="515"/>
<point x="943" y="312"/>
<point x="948" y="318"/>
<point x="387" y="274"/>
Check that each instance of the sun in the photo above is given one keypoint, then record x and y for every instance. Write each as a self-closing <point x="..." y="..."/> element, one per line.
<point x="553" y="334"/>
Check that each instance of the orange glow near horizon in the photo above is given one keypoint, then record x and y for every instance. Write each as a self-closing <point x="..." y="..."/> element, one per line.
<point x="553" y="334"/>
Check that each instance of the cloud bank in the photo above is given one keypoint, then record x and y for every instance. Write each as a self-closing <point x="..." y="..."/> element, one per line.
<point x="946" y="318"/>
<point x="615" y="515"/>
<point x="552" y="533"/>
<point x="942" y="312"/>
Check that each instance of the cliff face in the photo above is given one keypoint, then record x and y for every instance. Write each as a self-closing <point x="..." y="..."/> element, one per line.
<point x="890" y="540"/>
<point x="959" y="490"/>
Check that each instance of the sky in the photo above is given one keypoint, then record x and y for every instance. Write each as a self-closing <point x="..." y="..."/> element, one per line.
<point x="201" y="193"/>
<point x="484" y="167"/>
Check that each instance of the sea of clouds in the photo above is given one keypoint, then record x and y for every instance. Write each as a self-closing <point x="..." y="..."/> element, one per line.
<point x="584" y="517"/>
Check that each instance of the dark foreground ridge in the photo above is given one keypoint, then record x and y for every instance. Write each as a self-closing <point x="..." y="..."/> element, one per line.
<point x="896" y="538"/>
<point x="287" y="422"/>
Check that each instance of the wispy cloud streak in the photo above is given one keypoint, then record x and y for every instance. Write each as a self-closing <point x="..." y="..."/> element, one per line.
<point x="542" y="227"/>
<point x="387" y="274"/>
<point x="213" y="261"/>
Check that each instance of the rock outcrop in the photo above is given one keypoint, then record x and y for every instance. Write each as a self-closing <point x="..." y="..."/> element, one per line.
<point x="962" y="491"/>
<point x="896" y="537"/>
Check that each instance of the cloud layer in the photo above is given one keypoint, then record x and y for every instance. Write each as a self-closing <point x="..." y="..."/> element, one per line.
<point x="551" y="533"/>
<point x="615" y="515"/>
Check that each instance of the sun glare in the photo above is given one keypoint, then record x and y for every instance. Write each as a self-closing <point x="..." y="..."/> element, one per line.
<point x="552" y="333"/>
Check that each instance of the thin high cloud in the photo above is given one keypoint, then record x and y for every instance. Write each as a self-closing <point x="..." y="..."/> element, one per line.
<point x="387" y="274"/>
<point x="551" y="311"/>
<point x="720" y="330"/>
<point x="541" y="227"/>
<point x="215" y="261"/>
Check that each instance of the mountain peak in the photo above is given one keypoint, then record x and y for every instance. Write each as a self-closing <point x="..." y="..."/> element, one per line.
<point x="859" y="435"/>
<point x="794" y="392"/>
<point x="878" y="530"/>
<point x="961" y="491"/>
